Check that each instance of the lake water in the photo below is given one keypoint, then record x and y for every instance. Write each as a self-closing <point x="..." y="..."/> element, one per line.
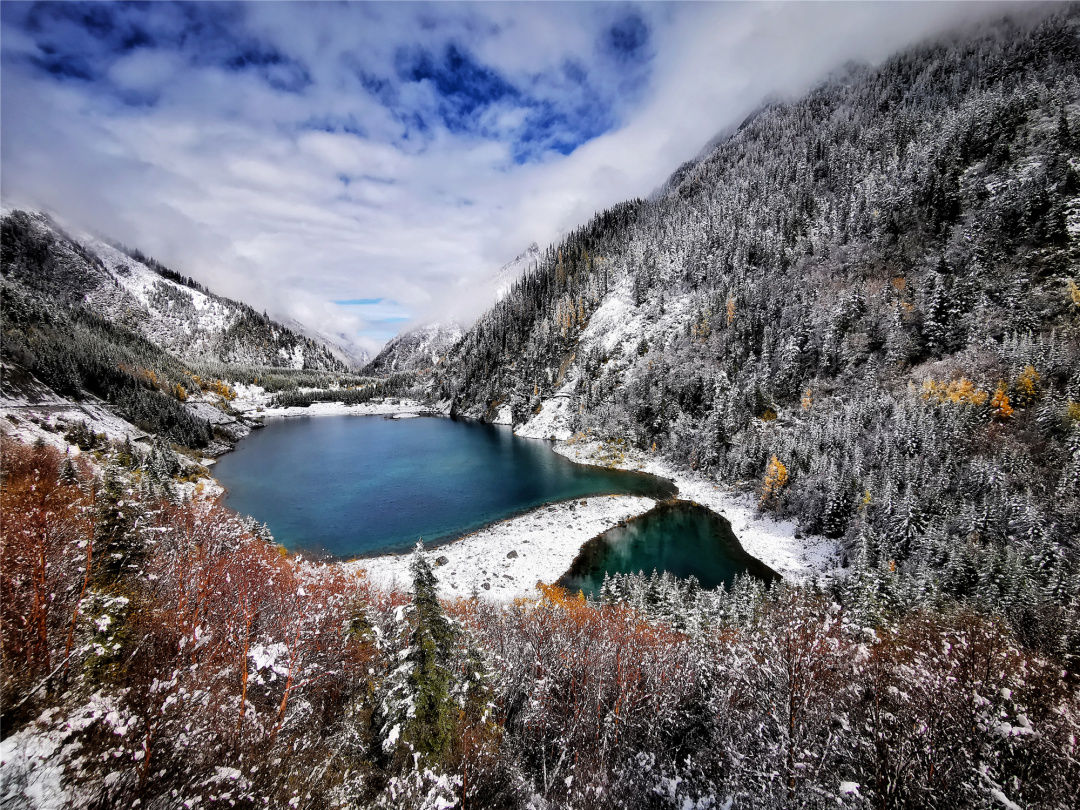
<point x="345" y="486"/>
<point x="681" y="537"/>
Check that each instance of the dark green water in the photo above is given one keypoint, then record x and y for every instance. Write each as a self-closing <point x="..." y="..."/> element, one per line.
<point x="679" y="537"/>
<point x="344" y="486"/>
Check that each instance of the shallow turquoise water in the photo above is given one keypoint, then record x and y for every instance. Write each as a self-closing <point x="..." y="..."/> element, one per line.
<point x="681" y="537"/>
<point x="344" y="486"/>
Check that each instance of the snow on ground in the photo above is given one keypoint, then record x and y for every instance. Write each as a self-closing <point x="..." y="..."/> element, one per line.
<point x="505" y="416"/>
<point x="32" y="760"/>
<point x="26" y="421"/>
<point x="388" y="408"/>
<point x="30" y="775"/>
<point x="773" y="542"/>
<point x="46" y="417"/>
<point x="254" y="400"/>
<point x="506" y="560"/>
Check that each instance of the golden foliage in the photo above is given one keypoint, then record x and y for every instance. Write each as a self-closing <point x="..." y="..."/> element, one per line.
<point x="221" y="388"/>
<point x="1074" y="293"/>
<point x="612" y="452"/>
<point x="559" y="597"/>
<point x="1000" y="403"/>
<point x="702" y="328"/>
<point x="731" y="310"/>
<point x="776" y="477"/>
<point x="1027" y="385"/>
<point x="958" y="392"/>
<point x="807" y="399"/>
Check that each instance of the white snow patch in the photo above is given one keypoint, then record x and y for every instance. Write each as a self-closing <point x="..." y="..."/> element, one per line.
<point x="849" y="788"/>
<point x="267" y="656"/>
<point x="1003" y="799"/>
<point x="504" y="416"/>
<point x="32" y="759"/>
<point x="252" y="400"/>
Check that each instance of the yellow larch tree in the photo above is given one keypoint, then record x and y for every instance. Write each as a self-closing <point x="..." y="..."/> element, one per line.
<point x="1000" y="403"/>
<point x="1027" y="383"/>
<point x="775" y="478"/>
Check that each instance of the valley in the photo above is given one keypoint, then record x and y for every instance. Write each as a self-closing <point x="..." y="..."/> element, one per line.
<point x="758" y="489"/>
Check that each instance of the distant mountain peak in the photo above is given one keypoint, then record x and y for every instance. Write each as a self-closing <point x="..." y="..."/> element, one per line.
<point x="419" y="348"/>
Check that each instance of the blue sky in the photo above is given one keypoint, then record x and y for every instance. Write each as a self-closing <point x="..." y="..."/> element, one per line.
<point x="362" y="166"/>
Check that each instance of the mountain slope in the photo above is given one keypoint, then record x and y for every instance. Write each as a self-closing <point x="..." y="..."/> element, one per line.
<point x="128" y="289"/>
<point x="340" y="344"/>
<point x="863" y="304"/>
<point x="88" y="327"/>
<point x="507" y="275"/>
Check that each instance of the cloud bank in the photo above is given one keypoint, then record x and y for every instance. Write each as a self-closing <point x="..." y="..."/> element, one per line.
<point x="357" y="166"/>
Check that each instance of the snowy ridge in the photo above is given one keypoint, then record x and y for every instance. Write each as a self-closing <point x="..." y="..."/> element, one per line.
<point x="339" y="344"/>
<point x="424" y="346"/>
<point x="509" y="273"/>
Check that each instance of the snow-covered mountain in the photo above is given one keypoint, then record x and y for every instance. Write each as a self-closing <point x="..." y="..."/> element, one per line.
<point x="136" y="292"/>
<point x="418" y="348"/>
<point x="884" y="259"/>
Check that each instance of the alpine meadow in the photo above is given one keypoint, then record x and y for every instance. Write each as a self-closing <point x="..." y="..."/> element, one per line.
<point x="752" y="482"/>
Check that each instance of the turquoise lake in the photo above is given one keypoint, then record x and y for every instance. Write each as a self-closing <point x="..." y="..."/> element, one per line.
<point x="680" y="537"/>
<point x="345" y="486"/>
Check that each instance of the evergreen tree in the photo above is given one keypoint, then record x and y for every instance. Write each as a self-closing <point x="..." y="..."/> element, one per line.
<point x="420" y="712"/>
<point x="116" y="539"/>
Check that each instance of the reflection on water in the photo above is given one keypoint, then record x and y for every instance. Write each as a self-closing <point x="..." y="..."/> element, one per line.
<point x="680" y="537"/>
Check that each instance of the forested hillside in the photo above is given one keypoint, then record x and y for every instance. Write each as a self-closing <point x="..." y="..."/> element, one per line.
<point x="87" y="319"/>
<point x="160" y="654"/>
<point x="864" y="306"/>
